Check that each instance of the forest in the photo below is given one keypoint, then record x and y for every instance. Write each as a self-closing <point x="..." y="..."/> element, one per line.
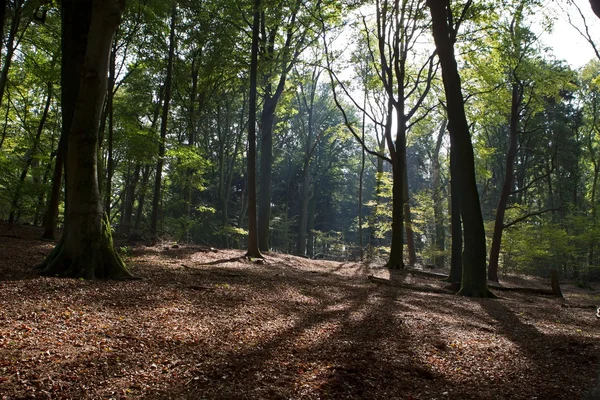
<point x="295" y="178"/>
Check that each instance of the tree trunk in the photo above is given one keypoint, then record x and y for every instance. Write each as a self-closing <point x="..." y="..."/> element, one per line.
<point x="11" y="46"/>
<point x="396" y="260"/>
<point x="75" y="24"/>
<point x="266" y="172"/>
<point x="110" y="112"/>
<point x="474" y="282"/>
<point x="130" y="199"/>
<point x="42" y="195"/>
<point x="410" y="237"/>
<point x="142" y="196"/>
<point x="30" y="156"/>
<point x="86" y="249"/>
<point x="305" y="198"/>
<point x="517" y="95"/>
<point x="2" y="17"/>
<point x="163" y="125"/>
<point x="52" y="208"/>
<point x="310" y="226"/>
<point x="253" y="239"/>
<point x="439" y="259"/>
<point x="455" y="275"/>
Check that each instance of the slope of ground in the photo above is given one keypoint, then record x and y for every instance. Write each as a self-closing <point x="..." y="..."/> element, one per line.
<point x="211" y="325"/>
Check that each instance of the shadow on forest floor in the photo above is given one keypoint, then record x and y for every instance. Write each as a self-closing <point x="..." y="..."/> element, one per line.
<point x="224" y="328"/>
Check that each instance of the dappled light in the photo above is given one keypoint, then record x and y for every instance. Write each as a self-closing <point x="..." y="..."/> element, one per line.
<point x="222" y="326"/>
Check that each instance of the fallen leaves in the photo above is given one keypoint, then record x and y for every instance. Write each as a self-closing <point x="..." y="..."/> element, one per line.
<point x="221" y="327"/>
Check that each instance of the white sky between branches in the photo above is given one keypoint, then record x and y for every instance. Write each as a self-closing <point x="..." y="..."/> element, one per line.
<point x="566" y="42"/>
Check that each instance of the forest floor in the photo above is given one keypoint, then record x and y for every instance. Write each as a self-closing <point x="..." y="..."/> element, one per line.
<point x="211" y="325"/>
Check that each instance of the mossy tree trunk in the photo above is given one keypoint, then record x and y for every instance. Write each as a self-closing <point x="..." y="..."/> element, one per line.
<point x="86" y="249"/>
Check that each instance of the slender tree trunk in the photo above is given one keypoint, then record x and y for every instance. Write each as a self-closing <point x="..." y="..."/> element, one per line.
<point x="110" y="112"/>
<point x="11" y="44"/>
<point x="86" y="249"/>
<point x="439" y="259"/>
<point x="474" y="282"/>
<point x="360" y="187"/>
<point x="310" y="227"/>
<point x="130" y="199"/>
<point x="508" y="182"/>
<point x="40" y="203"/>
<point x="230" y="170"/>
<point x="163" y="125"/>
<point x="31" y="155"/>
<point x="594" y="211"/>
<point x="253" y="240"/>
<point x="51" y="216"/>
<point x="266" y="172"/>
<point x="142" y="196"/>
<point x="305" y="198"/>
<point x="410" y="237"/>
<point x="455" y="275"/>
<point x="3" y="6"/>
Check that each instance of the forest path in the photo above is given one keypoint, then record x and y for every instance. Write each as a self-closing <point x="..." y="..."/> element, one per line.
<point x="204" y="324"/>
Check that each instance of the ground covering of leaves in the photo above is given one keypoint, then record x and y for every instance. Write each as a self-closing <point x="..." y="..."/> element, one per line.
<point x="210" y="325"/>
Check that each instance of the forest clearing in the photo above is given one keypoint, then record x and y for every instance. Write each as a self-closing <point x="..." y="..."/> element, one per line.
<point x="208" y="324"/>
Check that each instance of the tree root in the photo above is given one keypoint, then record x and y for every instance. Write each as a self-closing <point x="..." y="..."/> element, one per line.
<point x="99" y="261"/>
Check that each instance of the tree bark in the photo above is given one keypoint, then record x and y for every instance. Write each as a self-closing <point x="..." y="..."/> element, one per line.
<point x="439" y="259"/>
<point x="517" y="95"/>
<point x="109" y="109"/>
<point x="86" y="249"/>
<point x="163" y="125"/>
<point x="75" y="22"/>
<point x="253" y="240"/>
<point x="126" y="224"/>
<point x="474" y="282"/>
<point x="410" y="237"/>
<point x="266" y="172"/>
<point x="456" y="233"/>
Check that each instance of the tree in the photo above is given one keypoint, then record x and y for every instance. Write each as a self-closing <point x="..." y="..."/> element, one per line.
<point x="253" y="247"/>
<point x="163" y="125"/>
<point x="474" y="281"/>
<point x="86" y="248"/>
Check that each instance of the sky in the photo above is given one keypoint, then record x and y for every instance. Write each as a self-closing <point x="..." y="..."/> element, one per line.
<point x="567" y="43"/>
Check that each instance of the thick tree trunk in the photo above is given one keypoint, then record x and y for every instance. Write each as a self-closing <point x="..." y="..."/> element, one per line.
<point x="474" y="282"/>
<point x="253" y="239"/>
<point x="75" y="24"/>
<point x="508" y="183"/>
<point x="86" y="249"/>
<point x="163" y="125"/>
